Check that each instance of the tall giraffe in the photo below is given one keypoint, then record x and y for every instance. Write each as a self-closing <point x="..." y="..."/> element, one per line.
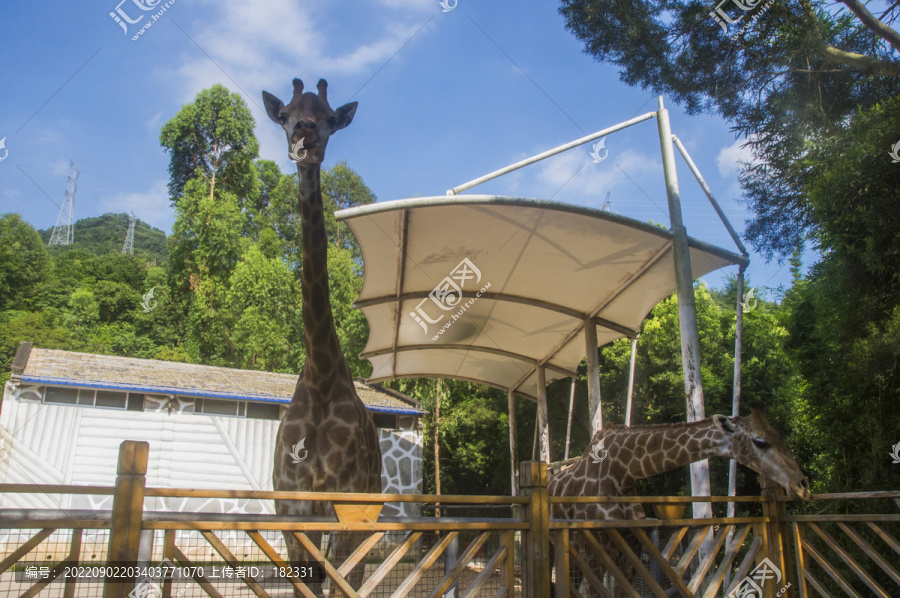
<point x="618" y="456"/>
<point x="326" y="417"/>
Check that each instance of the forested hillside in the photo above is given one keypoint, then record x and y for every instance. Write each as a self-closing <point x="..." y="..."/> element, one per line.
<point x="107" y="234"/>
<point x="225" y="292"/>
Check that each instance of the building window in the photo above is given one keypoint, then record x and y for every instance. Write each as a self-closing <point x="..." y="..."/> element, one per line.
<point x="264" y="411"/>
<point x="111" y="400"/>
<point x="221" y="407"/>
<point x="388" y="421"/>
<point x="88" y="397"/>
<point x="63" y="396"/>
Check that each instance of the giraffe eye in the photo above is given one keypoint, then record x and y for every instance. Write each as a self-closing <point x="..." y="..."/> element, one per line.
<point x="760" y="443"/>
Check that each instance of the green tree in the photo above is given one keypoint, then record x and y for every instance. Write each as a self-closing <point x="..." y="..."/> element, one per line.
<point x="212" y="139"/>
<point x="798" y="73"/>
<point x="343" y="188"/>
<point x="24" y="263"/>
<point x="265" y="301"/>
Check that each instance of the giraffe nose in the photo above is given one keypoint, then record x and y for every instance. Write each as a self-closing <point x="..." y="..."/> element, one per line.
<point x="305" y="124"/>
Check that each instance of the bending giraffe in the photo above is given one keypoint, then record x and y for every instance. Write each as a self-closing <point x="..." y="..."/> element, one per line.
<point x="643" y="451"/>
<point x="325" y="415"/>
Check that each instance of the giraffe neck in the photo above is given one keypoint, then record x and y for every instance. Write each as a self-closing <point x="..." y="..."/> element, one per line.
<point x="323" y="350"/>
<point x="644" y="451"/>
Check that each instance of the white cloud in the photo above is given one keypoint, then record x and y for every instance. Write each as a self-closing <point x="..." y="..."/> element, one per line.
<point x="151" y="206"/>
<point x="240" y="40"/>
<point x="730" y="158"/>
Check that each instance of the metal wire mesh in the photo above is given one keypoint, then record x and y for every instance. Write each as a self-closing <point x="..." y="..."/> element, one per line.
<point x="203" y="557"/>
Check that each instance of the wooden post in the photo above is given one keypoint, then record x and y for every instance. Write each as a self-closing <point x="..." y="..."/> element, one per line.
<point x="508" y="568"/>
<point x="536" y="541"/>
<point x="687" y="309"/>
<point x="569" y="424"/>
<point x="631" y="380"/>
<point x="778" y="548"/>
<point x="543" y="415"/>
<point x="513" y="453"/>
<point x="127" y="512"/>
<point x="593" y="376"/>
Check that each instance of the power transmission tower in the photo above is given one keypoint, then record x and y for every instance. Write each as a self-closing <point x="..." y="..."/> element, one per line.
<point x="128" y="248"/>
<point x="64" y="231"/>
<point x="606" y="203"/>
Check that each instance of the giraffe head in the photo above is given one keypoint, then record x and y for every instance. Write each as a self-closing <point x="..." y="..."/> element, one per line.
<point x="310" y="118"/>
<point x="756" y="444"/>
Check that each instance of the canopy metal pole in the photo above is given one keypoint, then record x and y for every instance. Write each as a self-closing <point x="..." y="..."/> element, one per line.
<point x="736" y="392"/>
<point x="593" y="376"/>
<point x="513" y="457"/>
<point x="687" y="309"/>
<point x="631" y="381"/>
<point x="534" y="444"/>
<point x="709" y="195"/>
<point x="548" y="153"/>
<point x="543" y="416"/>
<point x="569" y="425"/>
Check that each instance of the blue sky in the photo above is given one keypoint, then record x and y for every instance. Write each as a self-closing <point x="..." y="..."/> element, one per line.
<point x="444" y="97"/>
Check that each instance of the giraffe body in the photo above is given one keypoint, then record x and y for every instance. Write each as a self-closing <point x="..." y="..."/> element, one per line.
<point x="643" y="451"/>
<point x="325" y="414"/>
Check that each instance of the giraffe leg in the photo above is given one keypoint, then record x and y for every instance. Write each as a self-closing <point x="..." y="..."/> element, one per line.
<point x="297" y="555"/>
<point x="342" y="546"/>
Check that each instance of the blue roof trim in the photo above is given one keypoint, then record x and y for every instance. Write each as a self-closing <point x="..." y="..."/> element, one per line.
<point x="196" y="393"/>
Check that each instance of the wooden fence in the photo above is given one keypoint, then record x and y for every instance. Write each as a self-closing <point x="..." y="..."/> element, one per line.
<point x="519" y="551"/>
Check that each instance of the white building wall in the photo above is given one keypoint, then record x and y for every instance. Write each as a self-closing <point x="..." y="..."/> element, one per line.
<point x="61" y="444"/>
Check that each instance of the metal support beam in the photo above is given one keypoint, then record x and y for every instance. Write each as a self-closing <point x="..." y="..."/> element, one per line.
<point x="631" y="380"/>
<point x="513" y="456"/>
<point x="569" y="424"/>
<point x="549" y="153"/>
<point x="709" y="195"/>
<point x="736" y="388"/>
<point x="687" y="309"/>
<point x="593" y="376"/>
<point x="543" y="416"/>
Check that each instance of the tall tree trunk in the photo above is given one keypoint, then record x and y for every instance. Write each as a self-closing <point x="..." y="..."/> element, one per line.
<point x="437" y="444"/>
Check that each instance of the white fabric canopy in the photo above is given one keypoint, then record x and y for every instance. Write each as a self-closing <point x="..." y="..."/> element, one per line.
<point x="486" y="288"/>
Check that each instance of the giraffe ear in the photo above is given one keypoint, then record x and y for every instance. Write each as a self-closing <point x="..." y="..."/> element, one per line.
<point x="273" y="107"/>
<point x="343" y="116"/>
<point x="723" y="423"/>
